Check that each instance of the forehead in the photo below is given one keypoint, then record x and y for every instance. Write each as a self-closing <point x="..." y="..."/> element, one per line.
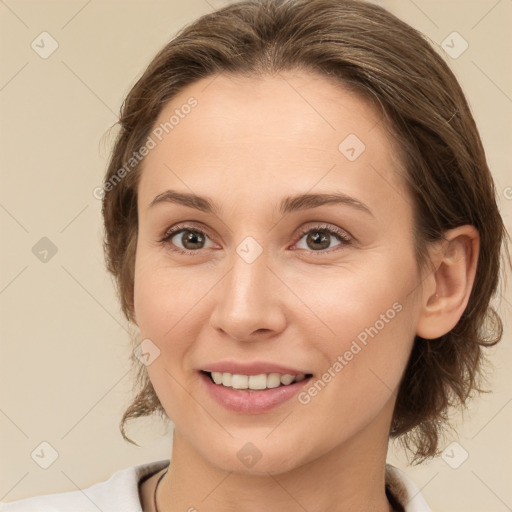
<point x="261" y="134"/>
<point x="289" y="107"/>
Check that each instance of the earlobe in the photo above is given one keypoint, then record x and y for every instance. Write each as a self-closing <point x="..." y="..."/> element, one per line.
<point x="451" y="282"/>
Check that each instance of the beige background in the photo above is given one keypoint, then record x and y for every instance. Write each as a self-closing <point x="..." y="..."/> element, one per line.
<point x="65" y="376"/>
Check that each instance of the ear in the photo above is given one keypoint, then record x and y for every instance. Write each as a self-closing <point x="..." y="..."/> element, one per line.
<point x="447" y="288"/>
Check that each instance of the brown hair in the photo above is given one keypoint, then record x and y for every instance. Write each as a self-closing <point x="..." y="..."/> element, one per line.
<point x="364" y="47"/>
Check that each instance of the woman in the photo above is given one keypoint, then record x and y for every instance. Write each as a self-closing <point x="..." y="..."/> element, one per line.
<point x="303" y="227"/>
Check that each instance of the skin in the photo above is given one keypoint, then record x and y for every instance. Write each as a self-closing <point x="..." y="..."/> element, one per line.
<point x="249" y="143"/>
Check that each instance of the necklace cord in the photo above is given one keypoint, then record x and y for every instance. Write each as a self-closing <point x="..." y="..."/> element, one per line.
<point x="156" y="488"/>
<point x="389" y="495"/>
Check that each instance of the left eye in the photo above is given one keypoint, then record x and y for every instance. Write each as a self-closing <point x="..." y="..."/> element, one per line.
<point x="320" y="238"/>
<point x="317" y="239"/>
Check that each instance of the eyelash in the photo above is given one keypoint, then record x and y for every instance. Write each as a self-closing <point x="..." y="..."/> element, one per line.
<point x="169" y="234"/>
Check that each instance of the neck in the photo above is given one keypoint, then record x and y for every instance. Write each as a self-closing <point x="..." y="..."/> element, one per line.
<point x="349" y="478"/>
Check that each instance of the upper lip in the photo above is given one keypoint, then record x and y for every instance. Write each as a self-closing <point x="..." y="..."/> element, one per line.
<point x="253" y="368"/>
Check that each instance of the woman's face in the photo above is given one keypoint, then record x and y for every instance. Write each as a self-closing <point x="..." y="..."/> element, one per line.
<point x="258" y="280"/>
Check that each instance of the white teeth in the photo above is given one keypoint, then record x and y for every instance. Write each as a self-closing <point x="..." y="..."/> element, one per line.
<point x="217" y="377"/>
<point x="256" y="382"/>
<point x="239" y="381"/>
<point x="273" y="380"/>
<point x="226" y="379"/>
<point x="287" y="379"/>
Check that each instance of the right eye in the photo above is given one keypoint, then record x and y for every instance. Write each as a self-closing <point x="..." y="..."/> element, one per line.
<point x="190" y="238"/>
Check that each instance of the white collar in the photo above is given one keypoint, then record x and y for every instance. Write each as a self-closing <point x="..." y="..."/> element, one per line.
<point x="121" y="492"/>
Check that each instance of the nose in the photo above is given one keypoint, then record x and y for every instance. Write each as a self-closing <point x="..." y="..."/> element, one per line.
<point x="249" y="301"/>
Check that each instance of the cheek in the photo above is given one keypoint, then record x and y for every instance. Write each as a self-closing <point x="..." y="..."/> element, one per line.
<point x="371" y="317"/>
<point x="161" y="295"/>
<point x="357" y="300"/>
<point x="161" y="301"/>
<point x="360" y="382"/>
<point x="168" y="304"/>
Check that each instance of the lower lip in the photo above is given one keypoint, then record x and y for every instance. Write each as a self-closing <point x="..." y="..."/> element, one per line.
<point x="249" y="401"/>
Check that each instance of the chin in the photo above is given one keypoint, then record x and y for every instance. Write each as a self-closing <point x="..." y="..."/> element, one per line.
<point x="259" y="457"/>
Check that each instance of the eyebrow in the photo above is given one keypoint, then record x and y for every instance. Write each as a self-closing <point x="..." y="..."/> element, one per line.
<point x="288" y="204"/>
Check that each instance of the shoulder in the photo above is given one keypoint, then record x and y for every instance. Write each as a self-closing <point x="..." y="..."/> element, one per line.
<point x="405" y="491"/>
<point x="119" y="492"/>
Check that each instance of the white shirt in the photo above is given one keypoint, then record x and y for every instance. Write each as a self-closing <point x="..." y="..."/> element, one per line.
<point x="120" y="493"/>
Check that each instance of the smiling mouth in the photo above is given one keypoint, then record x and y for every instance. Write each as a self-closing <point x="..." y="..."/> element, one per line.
<point x="258" y="382"/>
